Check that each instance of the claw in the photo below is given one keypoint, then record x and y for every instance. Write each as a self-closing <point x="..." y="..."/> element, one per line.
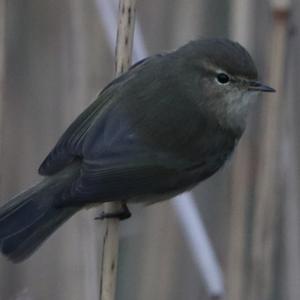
<point x="122" y="214"/>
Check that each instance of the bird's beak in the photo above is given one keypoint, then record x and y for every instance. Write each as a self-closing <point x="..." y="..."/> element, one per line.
<point x="260" y="87"/>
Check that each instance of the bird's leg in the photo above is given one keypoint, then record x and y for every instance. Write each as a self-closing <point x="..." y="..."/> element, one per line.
<point x="122" y="214"/>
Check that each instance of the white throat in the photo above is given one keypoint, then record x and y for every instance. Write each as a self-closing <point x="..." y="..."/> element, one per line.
<point x="237" y="106"/>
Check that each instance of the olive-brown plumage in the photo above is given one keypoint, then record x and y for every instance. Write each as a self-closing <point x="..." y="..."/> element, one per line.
<point x="167" y="124"/>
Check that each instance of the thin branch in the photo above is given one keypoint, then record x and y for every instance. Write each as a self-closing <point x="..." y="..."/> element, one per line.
<point x="108" y="276"/>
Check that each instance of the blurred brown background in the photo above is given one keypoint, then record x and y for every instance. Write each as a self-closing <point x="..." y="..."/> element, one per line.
<point x="55" y="57"/>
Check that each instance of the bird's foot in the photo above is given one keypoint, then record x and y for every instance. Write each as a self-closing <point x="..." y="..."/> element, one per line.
<point x="122" y="214"/>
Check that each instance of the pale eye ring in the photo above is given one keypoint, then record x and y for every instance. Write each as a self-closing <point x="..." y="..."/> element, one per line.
<point x="222" y="78"/>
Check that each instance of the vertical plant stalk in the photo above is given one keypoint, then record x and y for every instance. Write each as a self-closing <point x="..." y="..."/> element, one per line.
<point x="241" y="21"/>
<point x="2" y="67"/>
<point x="110" y="245"/>
<point x="266" y="213"/>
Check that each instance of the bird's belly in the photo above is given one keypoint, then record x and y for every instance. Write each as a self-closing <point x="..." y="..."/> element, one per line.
<point x="184" y="181"/>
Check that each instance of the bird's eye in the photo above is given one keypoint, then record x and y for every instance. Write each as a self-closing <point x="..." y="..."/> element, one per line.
<point x="222" y="78"/>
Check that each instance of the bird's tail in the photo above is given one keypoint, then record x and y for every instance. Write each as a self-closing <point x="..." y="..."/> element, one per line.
<point x="30" y="218"/>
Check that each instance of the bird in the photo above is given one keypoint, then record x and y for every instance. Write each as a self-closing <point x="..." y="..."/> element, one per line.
<point x="168" y="123"/>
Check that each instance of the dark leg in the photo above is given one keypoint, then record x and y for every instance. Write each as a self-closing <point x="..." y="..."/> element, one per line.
<point x="122" y="214"/>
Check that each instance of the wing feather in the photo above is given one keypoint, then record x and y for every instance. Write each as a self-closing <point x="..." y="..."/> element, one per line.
<point x="69" y="146"/>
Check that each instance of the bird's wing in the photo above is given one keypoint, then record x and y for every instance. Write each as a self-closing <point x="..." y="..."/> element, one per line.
<point x="69" y="145"/>
<point x="125" y="180"/>
<point x="142" y="177"/>
<point x="118" y="164"/>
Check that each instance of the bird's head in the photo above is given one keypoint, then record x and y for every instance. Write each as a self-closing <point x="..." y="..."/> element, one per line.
<point x="222" y="78"/>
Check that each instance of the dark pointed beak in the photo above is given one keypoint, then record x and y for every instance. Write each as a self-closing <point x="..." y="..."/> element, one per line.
<point x="260" y="87"/>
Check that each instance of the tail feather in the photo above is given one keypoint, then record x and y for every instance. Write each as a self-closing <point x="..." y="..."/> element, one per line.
<point x="30" y="218"/>
<point x="21" y="244"/>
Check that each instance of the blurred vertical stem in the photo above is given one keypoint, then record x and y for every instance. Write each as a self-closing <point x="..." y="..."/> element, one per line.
<point x="2" y="54"/>
<point x="290" y="177"/>
<point x="266" y="213"/>
<point x="241" y="24"/>
<point x="110" y="246"/>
